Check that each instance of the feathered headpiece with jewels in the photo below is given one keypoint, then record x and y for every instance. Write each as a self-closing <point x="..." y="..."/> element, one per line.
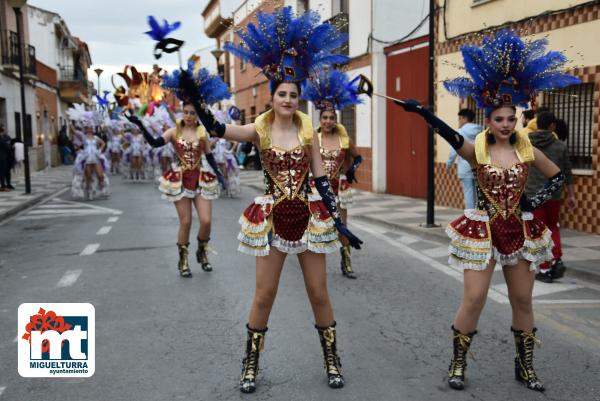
<point x="210" y="88"/>
<point x="289" y="48"/>
<point x="506" y="70"/>
<point x="331" y="90"/>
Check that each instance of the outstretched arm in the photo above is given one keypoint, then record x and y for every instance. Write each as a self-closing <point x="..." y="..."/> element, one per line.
<point x="465" y="149"/>
<point x="154" y="142"/>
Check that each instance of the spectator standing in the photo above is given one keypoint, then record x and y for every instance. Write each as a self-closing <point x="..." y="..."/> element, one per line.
<point x="469" y="130"/>
<point x="7" y="160"/>
<point x="545" y="140"/>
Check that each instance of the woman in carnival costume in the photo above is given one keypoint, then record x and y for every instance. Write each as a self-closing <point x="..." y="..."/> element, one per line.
<point x="188" y="182"/>
<point x="114" y="148"/>
<point x="224" y="152"/>
<point x="135" y="154"/>
<point x="288" y="218"/>
<point x="505" y="72"/>
<point x="330" y="90"/>
<point x="89" y="169"/>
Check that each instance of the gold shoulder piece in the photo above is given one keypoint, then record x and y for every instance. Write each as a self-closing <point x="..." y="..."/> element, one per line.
<point x="344" y="138"/>
<point x="263" y="128"/>
<point x="524" y="147"/>
<point x="305" y="127"/>
<point x="481" y="148"/>
<point x="201" y="133"/>
<point x="178" y="126"/>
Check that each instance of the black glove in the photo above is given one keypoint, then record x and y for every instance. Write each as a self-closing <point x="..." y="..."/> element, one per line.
<point x="213" y="163"/>
<point x="350" y="173"/>
<point x="553" y="184"/>
<point x="455" y="139"/>
<point x="154" y="142"/>
<point x="322" y="184"/>
<point x="190" y="94"/>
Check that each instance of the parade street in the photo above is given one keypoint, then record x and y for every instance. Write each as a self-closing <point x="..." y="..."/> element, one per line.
<point x="163" y="337"/>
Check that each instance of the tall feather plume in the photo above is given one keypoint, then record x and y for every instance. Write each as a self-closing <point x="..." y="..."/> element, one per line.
<point x="331" y="89"/>
<point x="271" y="42"/>
<point x="506" y="70"/>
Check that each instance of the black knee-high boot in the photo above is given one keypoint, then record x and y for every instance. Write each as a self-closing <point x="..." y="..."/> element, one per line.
<point x="202" y="255"/>
<point x="458" y="364"/>
<point x="183" y="265"/>
<point x="524" y="371"/>
<point x="327" y="335"/>
<point x="255" y="344"/>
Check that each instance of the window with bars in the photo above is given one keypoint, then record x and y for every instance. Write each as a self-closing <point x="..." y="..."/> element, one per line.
<point x="349" y="121"/>
<point x="575" y="105"/>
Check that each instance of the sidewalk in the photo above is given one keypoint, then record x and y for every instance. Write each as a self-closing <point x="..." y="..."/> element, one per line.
<point x="581" y="251"/>
<point x="43" y="184"/>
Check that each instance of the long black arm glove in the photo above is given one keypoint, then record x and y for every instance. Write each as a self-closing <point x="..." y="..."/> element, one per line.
<point x="154" y="142"/>
<point x="553" y="184"/>
<point x="455" y="139"/>
<point x="190" y="93"/>
<point x="322" y="184"/>
<point x="350" y="173"/>
<point x="213" y="163"/>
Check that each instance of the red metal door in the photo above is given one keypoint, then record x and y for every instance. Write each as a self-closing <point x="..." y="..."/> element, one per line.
<point x="407" y="73"/>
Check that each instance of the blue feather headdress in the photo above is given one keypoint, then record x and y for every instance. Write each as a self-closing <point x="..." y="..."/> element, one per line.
<point x="331" y="90"/>
<point x="211" y="88"/>
<point x="506" y="70"/>
<point x="289" y="48"/>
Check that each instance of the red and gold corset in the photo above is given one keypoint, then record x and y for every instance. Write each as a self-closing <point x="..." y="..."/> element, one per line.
<point x="333" y="159"/>
<point x="189" y="154"/>
<point x="286" y="171"/>
<point x="501" y="188"/>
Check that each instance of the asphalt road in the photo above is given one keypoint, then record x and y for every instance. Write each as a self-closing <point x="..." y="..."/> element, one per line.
<point x="161" y="337"/>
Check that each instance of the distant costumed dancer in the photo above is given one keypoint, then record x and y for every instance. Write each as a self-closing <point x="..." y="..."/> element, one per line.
<point x="90" y="166"/>
<point x="331" y="90"/>
<point x="188" y="182"/>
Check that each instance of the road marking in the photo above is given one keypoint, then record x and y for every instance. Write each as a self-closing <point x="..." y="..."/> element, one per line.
<point x="2" y="390"/>
<point x="57" y="208"/>
<point x="113" y="219"/>
<point x="104" y="230"/>
<point x="89" y="249"/>
<point x="566" y="301"/>
<point x="498" y="293"/>
<point x="69" y="278"/>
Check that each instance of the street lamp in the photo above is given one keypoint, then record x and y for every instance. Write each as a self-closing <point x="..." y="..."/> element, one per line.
<point x="17" y="5"/>
<point x="98" y="71"/>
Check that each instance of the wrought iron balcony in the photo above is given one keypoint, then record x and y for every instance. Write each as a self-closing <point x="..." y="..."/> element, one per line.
<point x="9" y="53"/>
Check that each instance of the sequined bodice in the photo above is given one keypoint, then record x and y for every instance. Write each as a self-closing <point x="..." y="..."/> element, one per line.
<point x="501" y="188"/>
<point x="332" y="161"/>
<point x="189" y="153"/>
<point x="286" y="171"/>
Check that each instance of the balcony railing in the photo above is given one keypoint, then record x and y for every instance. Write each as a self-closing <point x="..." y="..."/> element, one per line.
<point x="9" y="51"/>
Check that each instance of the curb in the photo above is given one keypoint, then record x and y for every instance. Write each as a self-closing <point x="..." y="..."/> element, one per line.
<point x="439" y="233"/>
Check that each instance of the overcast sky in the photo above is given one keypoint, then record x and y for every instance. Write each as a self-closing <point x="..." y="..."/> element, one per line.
<point x="114" y="31"/>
